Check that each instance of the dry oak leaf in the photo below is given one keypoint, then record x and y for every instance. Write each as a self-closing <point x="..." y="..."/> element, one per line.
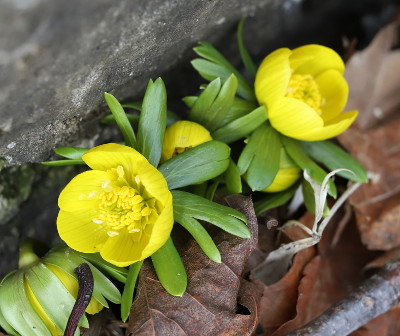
<point x="218" y="301"/>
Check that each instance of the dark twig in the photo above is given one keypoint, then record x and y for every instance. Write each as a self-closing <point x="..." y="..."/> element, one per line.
<point x="86" y="283"/>
<point x="374" y="297"/>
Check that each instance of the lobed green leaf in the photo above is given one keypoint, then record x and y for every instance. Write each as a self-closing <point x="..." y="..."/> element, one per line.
<point x="240" y="127"/>
<point x="260" y="158"/>
<point x="274" y="200"/>
<point x="227" y="219"/>
<point x="198" y="164"/>
<point x="74" y="153"/>
<point x="233" y="178"/>
<point x="333" y="157"/>
<point x="299" y="156"/>
<point x="210" y="71"/>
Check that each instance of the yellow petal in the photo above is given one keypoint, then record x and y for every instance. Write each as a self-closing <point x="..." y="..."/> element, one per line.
<point x="122" y="251"/>
<point x="79" y="231"/>
<point x="292" y="117"/>
<point x="334" y="90"/>
<point x="112" y="155"/>
<point x="40" y="311"/>
<point x="285" y="178"/>
<point x="154" y="182"/>
<point x="313" y="59"/>
<point x="135" y="166"/>
<point x="161" y="230"/>
<point x="80" y="193"/>
<point x="333" y="128"/>
<point x="183" y="135"/>
<point x="272" y="77"/>
<point x="71" y="284"/>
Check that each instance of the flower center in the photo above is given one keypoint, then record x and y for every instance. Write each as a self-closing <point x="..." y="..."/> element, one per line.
<point x="127" y="207"/>
<point x="304" y="88"/>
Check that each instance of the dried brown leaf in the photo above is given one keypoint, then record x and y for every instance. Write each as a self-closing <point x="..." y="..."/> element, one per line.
<point x="376" y="203"/>
<point x="374" y="86"/>
<point x="218" y="301"/>
<point x="329" y="276"/>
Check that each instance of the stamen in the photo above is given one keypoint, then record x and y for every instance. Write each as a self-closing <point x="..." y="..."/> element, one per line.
<point x="304" y="88"/>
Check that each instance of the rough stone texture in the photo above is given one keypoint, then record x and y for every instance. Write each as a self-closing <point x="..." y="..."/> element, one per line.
<point x="63" y="55"/>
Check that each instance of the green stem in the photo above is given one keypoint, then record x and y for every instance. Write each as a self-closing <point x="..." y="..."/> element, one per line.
<point x="26" y="254"/>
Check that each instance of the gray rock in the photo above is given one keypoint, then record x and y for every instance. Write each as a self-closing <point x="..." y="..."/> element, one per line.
<point x="57" y="59"/>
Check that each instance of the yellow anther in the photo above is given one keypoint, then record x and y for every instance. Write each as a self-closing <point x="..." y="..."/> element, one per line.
<point x="146" y="211"/>
<point x="304" y="88"/>
<point x="137" y="199"/>
<point x="112" y="233"/>
<point x="120" y="171"/>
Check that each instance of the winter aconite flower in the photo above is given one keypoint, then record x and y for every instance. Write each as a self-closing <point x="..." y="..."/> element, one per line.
<point x="181" y="136"/>
<point x="37" y="299"/>
<point x="121" y="208"/>
<point x="304" y="92"/>
<point x="287" y="175"/>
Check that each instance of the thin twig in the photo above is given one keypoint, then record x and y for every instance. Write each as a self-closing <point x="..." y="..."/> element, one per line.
<point x="374" y="297"/>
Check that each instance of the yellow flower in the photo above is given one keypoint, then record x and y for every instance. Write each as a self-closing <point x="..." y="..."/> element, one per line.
<point x="122" y="208"/>
<point x="181" y="136"/>
<point x="304" y="92"/>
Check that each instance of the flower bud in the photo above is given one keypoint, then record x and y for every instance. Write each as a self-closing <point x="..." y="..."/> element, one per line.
<point x="38" y="298"/>
<point x="287" y="175"/>
<point x="181" y="136"/>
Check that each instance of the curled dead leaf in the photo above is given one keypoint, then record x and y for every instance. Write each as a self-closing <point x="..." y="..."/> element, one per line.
<point x="218" y="301"/>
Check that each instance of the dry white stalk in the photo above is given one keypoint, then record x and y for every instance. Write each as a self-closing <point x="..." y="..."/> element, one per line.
<point x="277" y="262"/>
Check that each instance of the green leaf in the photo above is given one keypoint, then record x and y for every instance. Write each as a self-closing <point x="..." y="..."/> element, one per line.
<point x="74" y="153"/>
<point x="210" y="71"/>
<point x="109" y="119"/>
<point x="239" y="108"/>
<point x="134" y="106"/>
<point x="219" y="66"/>
<point x="6" y="326"/>
<point x="200" y="234"/>
<point x="333" y="157"/>
<point x="190" y="100"/>
<point x="227" y="219"/>
<point x="299" y="156"/>
<point x="220" y="107"/>
<point x="121" y="119"/>
<point x="67" y="259"/>
<point x="260" y="158"/>
<point x="118" y="273"/>
<point x="51" y="294"/>
<point x="127" y="295"/>
<point x="274" y="200"/>
<point x="59" y="163"/>
<point x="169" y="268"/>
<point x="16" y="308"/>
<point x="210" y="193"/>
<point x="233" y="178"/>
<point x="246" y="58"/>
<point x="198" y="113"/>
<point x="152" y="121"/>
<point x="241" y="127"/>
<point x="195" y="165"/>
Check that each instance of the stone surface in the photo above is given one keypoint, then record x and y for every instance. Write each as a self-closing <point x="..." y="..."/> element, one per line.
<point x="57" y="59"/>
